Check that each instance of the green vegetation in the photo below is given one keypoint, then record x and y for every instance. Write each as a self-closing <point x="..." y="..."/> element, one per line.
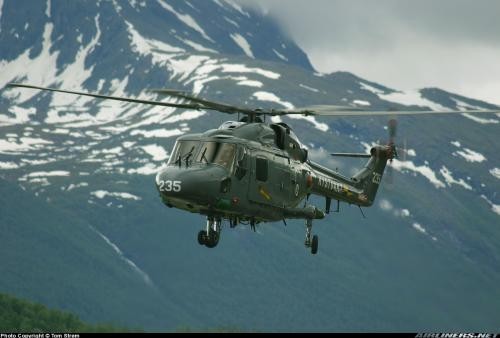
<point x="17" y="315"/>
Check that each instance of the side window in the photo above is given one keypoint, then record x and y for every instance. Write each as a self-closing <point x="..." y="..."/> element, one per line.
<point x="241" y="163"/>
<point x="261" y="169"/>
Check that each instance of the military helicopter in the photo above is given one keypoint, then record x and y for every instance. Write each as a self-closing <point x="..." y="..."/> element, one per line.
<point x="249" y="172"/>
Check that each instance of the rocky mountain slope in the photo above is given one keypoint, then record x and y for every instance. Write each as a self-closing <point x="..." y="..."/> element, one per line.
<point x="84" y="230"/>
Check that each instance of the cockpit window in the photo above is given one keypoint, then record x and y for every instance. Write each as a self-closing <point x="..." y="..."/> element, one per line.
<point x="218" y="153"/>
<point x="184" y="152"/>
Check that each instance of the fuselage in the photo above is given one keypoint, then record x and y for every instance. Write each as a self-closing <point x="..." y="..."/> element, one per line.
<point x="240" y="173"/>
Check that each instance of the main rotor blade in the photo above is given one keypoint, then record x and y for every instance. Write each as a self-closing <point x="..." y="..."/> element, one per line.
<point x="198" y="103"/>
<point x="326" y="110"/>
<point x="351" y="155"/>
<point x="116" y="98"/>
<point x="222" y="107"/>
<point x="392" y="126"/>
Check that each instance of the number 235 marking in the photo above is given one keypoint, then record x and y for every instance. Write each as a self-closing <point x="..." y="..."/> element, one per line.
<point x="174" y="186"/>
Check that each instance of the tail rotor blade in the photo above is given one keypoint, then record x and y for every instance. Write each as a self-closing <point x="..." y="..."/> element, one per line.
<point x="390" y="175"/>
<point x="392" y="128"/>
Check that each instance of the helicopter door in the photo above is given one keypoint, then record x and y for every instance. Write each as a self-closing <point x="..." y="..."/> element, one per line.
<point x="270" y="182"/>
<point x="259" y="187"/>
<point x="282" y="179"/>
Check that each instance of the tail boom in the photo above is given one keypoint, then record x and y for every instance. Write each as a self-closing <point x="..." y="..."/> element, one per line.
<point x="361" y="189"/>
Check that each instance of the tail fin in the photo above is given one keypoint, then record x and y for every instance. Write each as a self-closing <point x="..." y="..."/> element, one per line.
<point x="370" y="176"/>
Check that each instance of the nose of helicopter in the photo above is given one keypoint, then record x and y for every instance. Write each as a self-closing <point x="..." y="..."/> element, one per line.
<point x="195" y="184"/>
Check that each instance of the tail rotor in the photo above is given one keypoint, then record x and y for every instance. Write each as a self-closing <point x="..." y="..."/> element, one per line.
<point x="392" y="127"/>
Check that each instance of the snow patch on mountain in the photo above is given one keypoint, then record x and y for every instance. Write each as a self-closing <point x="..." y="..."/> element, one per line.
<point x="237" y="7"/>
<point x="271" y="97"/>
<point x="124" y="195"/>
<point x="239" y="68"/>
<point x="186" y="19"/>
<point x="470" y="155"/>
<point x="386" y="205"/>
<point x="22" y="145"/>
<point x="423" y="170"/>
<point x="464" y="106"/>
<point x="46" y="174"/>
<point x="481" y="120"/>
<point x="162" y="133"/>
<point x="199" y="70"/>
<point x="8" y="165"/>
<point x="183" y="68"/>
<point x="75" y="74"/>
<point x="148" y="170"/>
<point x="495" y="172"/>
<point x="250" y="83"/>
<point x="115" y="150"/>
<point x="243" y="44"/>
<point x="281" y="56"/>
<point x="411" y="152"/>
<point x="32" y="162"/>
<point x="266" y="96"/>
<point x="198" y="47"/>
<point x="184" y="116"/>
<point x="411" y="98"/>
<point x="41" y="70"/>
<point x="450" y="180"/>
<point x="370" y="88"/>
<point x="361" y="103"/>
<point x="419" y="228"/>
<point x="314" y="90"/>
<point x="69" y="119"/>
<point x="21" y="116"/>
<point x="77" y="185"/>
<point x="158" y="153"/>
<point x="47" y="9"/>
<point x="232" y="22"/>
<point x="160" y="51"/>
<point x="120" y="254"/>
<point x="494" y="207"/>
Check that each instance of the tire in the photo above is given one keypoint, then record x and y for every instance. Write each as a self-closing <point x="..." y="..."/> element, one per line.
<point x="314" y="245"/>
<point x="212" y="240"/>
<point x="202" y="237"/>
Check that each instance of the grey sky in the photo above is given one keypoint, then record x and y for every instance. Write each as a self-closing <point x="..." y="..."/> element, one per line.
<point x="404" y="44"/>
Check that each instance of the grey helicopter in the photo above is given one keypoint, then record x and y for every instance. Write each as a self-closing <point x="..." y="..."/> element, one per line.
<point x="250" y="172"/>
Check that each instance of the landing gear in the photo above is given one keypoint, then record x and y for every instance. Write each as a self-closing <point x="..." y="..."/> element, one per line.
<point x="210" y="236"/>
<point x="311" y="242"/>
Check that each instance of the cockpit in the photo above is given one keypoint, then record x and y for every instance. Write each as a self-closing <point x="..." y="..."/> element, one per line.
<point x="187" y="153"/>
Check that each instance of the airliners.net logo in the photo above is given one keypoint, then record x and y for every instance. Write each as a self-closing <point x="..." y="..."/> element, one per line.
<point x="456" y="335"/>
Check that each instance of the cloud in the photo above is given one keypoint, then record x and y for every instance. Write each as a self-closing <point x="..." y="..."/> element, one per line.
<point x="404" y="44"/>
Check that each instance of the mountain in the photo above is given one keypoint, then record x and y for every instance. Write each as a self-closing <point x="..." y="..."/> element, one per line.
<point x="17" y="315"/>
<point x="83" y="228"/>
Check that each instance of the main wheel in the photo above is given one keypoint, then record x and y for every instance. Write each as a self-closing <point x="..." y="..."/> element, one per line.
<point x="202" y="237"/>
<point x="212" y="239"/>
<point x="314" y="245"/>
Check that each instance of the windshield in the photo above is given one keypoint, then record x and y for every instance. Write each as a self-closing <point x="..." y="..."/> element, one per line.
<point x="188" y="152"/>
<point x="183" y="152"/>
<point x="218" y="153"/>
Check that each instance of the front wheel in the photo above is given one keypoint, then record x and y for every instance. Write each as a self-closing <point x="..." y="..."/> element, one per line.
<point x="202" y="237"/>
<point x="314" y="245"/>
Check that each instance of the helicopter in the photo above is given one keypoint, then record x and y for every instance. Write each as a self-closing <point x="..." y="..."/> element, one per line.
<point x="248" y="171"/>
